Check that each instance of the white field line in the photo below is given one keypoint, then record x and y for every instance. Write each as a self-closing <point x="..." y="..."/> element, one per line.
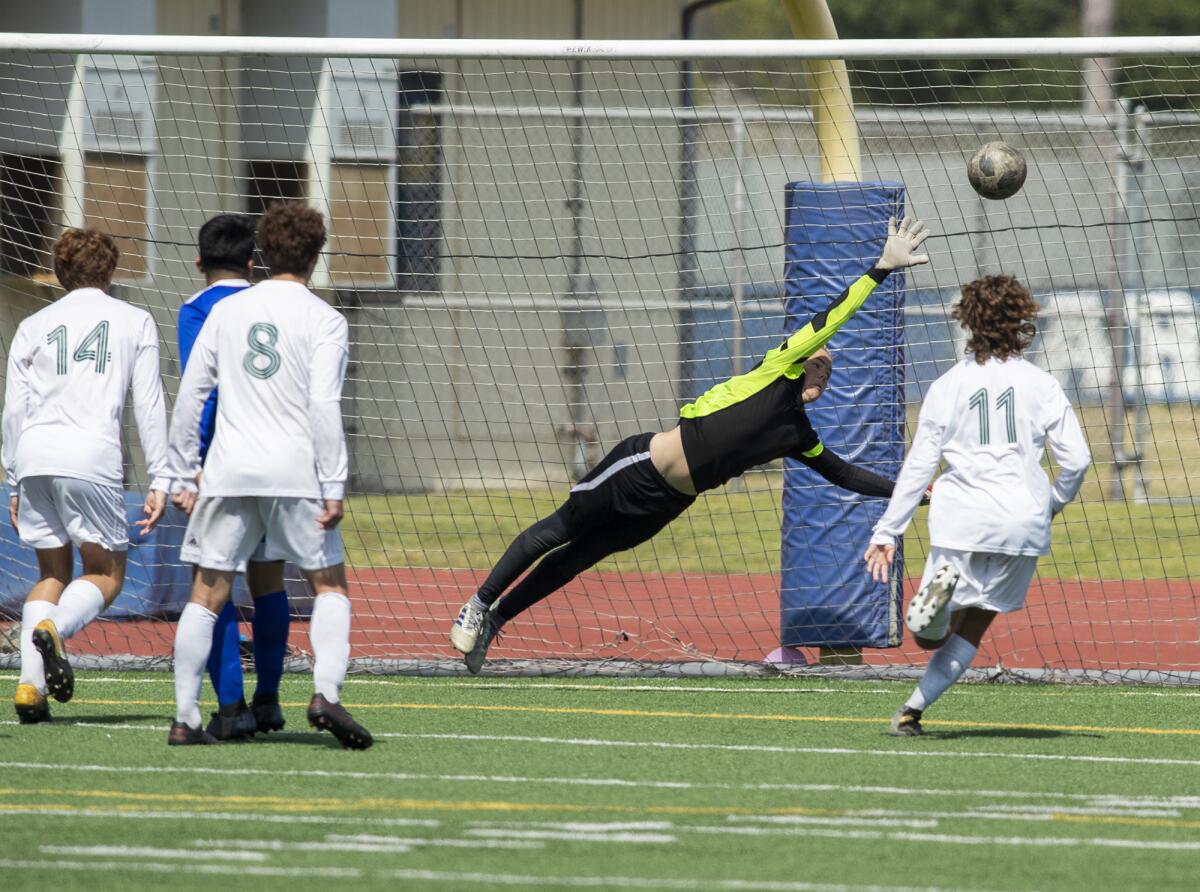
<point x="619" y="836"/>
<point x="433" y="876"/>
<point x="784" y="687"/>
<point x="249" y="817"/>
<point x="152" y="852"/>
<point x="624" y="882"/>
<point x="240" y="870"/>
<point x="1109" y="800"/>
<point x="717" y="747"/>
<point x="788" y="750"/>
<point x="358" y="843"/>
<point x="958" y="839"/>
<point x="581" y="826"/>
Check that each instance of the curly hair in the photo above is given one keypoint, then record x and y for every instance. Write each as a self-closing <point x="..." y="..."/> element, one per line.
<point x="290" y="237"/>
<point x="998" y="312"/>
<point x="85" y="258"/>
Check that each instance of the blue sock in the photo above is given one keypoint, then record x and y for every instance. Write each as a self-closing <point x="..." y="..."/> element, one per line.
<point x="272" y="618"/>
<point x="225" y="659"/>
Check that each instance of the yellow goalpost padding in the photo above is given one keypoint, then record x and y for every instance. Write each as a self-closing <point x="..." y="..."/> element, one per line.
<point x="833" y="105"/>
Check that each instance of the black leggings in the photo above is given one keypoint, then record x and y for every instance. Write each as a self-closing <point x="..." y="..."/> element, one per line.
<point x="571" y="551"/>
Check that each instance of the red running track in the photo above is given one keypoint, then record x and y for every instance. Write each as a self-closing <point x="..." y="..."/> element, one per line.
<point x="406" y="613"/>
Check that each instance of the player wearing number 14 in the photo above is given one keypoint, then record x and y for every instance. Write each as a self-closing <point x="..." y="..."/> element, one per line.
<point x="69" y="368"/>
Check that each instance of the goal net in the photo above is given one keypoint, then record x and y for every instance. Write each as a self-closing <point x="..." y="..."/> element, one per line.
<point x="544" y="247"/>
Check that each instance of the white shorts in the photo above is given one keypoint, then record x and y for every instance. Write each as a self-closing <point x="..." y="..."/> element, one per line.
<point x="189" y="551"/>
<point x="229" y="530"/>
<point x="56" y="511"/>
<point x="986" y="580"/>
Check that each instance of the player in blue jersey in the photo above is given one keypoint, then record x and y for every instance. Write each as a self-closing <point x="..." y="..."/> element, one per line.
<point x="226" y="258"/>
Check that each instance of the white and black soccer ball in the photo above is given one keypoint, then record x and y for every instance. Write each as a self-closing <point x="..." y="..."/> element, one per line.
<point x="997" y="171"/>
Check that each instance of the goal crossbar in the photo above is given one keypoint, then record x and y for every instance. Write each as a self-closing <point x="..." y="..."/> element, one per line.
<point x="420" y="48"/>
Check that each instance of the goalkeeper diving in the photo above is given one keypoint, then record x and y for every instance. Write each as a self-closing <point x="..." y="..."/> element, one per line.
<point x="648" y="480"/>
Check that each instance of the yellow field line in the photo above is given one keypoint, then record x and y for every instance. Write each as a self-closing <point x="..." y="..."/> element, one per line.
<point x="734" y="716"/>
<point x="299" y="805"/>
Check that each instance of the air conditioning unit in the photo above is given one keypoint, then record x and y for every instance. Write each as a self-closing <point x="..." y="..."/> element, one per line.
<point x="362" y="116"/>
<point x="118" y="97"/>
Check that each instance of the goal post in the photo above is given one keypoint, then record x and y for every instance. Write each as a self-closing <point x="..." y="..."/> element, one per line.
<point x="542" y="247"/>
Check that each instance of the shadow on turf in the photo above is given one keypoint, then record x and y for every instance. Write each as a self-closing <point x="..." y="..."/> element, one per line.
<point x="308" y="738"/>
<point x="1010" y="733"/>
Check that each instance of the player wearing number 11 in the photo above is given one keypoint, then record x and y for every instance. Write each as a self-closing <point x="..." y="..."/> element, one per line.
<point x="70" y="366"/>
<point x="990" y="419"/>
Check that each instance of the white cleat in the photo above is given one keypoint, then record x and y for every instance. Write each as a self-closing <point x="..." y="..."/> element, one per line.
<point x="465" y="631"/>
<point x="929" y="601"/>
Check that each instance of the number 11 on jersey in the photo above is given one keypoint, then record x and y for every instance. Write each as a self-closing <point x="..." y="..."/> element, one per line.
<point x="1006" y="401"/>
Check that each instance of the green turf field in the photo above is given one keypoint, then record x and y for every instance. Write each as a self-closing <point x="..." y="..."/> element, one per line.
<point x="766" y="784"/>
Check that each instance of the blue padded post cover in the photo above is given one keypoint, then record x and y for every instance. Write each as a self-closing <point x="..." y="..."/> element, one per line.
<point x="833" y="233"/>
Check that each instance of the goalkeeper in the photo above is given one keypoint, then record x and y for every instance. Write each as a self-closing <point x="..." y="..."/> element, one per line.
<point x="648" y="480"/>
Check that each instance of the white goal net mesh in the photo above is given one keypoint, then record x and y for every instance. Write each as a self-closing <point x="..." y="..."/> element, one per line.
<point x="539" y="257"/>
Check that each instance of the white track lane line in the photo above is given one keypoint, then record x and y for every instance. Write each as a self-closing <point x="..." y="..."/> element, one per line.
<point x="1114" y="801"/>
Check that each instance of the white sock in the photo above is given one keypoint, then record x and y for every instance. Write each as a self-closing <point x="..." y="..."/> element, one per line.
<point x="946" y="666"/>
<point x="193" y="641"/>
<point x="329" y="633"/>
<point x="81" y="602"/>
<point x="32" y="670"/>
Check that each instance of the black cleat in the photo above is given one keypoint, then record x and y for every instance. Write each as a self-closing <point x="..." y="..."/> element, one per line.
<point x="31" y="704"/>
<point x="60" y="677"/>
<point x="907" y="723"/>
<point x="489" y="628"/>
<point x="332" y="717"/>
<point x="185" y="735"/>
<point x="267" y="712"/>
<point x="234" y="722"/>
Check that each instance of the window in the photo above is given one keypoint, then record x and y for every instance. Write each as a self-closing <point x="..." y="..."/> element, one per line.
<point x="30" y="189"/>
<point x="419" y="184"/>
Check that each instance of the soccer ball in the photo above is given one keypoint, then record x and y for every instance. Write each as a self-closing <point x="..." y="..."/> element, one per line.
<point x="996" y="171"/>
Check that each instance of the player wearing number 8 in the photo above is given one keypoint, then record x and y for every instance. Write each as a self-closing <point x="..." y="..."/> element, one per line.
<point x="989" y="418"/>
<point x="275" y="474"/>
<point x="69" y="368"/>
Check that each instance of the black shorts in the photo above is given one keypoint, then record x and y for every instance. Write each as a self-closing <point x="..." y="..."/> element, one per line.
<point x="625" y="486"/>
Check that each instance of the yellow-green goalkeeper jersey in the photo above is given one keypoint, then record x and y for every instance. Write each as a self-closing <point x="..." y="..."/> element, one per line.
<point x="759" y="416"/>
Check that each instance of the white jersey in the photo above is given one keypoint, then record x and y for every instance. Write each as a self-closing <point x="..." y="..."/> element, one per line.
<point x="990" y="422"/>
<point x="69" y="368"/>
<point x="278" y="355"/>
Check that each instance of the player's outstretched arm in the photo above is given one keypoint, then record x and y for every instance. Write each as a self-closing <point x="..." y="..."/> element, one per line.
<point x="848" y="476"/>
<point x="900" y="251"/>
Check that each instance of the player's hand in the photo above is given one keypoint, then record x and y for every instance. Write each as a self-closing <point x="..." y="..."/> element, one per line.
<point x="928" y="496"/>
<point x="332" y="515"/>
<point x="899" y="251"/>
<point x="184" y="500"/>
<point x="14" y="505"/>
<point x="879" y="560"/>
<point x="156" y="503"/>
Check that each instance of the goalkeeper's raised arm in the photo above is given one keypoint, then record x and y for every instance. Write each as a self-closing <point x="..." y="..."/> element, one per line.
<point x="648" y="480"/>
